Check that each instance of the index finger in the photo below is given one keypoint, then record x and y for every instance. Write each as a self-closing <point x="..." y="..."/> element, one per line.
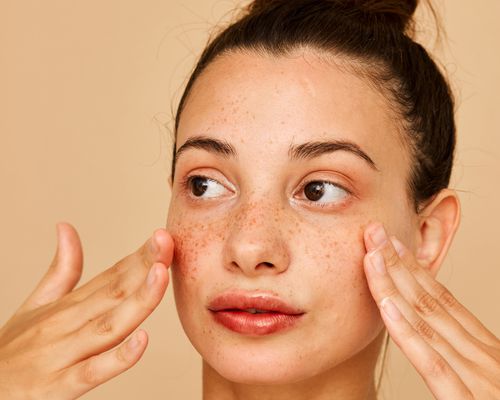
<point x="439" y="292"/>
<point x="444" y="297"/>
<point x="158" y="248"/>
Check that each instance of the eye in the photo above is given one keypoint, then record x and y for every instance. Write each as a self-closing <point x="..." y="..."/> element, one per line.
<point x="201" y="186"/>
<point x="324" y="192"/>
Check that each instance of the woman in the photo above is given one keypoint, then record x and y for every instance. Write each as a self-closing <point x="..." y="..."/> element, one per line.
<point x="310" y="212"/>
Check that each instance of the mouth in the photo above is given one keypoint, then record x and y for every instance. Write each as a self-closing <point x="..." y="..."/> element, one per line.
<point x="254" y="313"/>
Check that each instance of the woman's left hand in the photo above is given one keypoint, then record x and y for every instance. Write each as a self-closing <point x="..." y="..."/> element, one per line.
<point x="454" y="353"/>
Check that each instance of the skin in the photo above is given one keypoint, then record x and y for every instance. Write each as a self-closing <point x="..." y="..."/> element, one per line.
<point x="348" y="272"/>
<point x="260" y="215"/>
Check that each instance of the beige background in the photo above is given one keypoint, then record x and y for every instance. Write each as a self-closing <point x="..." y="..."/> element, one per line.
<point x="85" y="89"/>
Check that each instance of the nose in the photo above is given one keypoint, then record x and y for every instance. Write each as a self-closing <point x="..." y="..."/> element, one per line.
<point x="255" y="244"/>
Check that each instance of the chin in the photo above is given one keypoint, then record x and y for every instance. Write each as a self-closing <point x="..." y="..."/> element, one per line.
<point x="263" y="367"/>
<point x="284" y="359"/>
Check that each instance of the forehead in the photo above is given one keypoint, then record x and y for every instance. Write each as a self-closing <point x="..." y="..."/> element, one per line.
<point x="261" y="99"/>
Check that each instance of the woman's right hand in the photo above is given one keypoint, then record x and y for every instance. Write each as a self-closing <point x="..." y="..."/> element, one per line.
<point x="54" y="346"/>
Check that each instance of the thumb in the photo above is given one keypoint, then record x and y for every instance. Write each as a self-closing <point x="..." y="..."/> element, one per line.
<point x="64" y="272"/>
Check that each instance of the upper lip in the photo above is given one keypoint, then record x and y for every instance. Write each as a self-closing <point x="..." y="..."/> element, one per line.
<point x="244" y="300"/>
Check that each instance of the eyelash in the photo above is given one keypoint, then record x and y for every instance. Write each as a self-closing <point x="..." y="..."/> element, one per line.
<point x="186" y="186"/>
<point x="324" y="205"/>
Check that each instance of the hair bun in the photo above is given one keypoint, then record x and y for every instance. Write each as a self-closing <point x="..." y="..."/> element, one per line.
<point x="400" y="13"/>
<point x="397" y="13"/>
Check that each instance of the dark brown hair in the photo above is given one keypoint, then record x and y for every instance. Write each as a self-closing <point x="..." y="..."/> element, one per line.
<point x="375" y="38"/>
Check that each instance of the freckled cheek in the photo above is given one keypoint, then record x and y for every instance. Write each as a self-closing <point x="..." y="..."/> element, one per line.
<point x="341" y="297"/>
<point x="195" y="245"/>
<point x="338" y="260"/>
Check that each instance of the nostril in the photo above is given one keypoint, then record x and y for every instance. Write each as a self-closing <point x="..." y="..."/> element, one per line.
<point x="267" y="264"/>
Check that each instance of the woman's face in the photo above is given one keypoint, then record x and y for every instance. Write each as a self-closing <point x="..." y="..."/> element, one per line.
<point x="283" y="163"/>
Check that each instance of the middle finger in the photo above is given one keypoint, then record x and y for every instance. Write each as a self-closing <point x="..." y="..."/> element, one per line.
<point x="424" y="304"/>
<point x="383" y="286"/>
<point x="109" y="329"/>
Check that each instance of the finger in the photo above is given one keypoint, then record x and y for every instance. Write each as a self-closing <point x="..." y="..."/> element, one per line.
<point x="445" y="299"/>
<point x="158" y="248"/>
<point x="74" y="312"/>
<point x="383" y="288"/>
<point x="426" y="306"/>
<point x="110" y="328"/>
<point x="64" y="271"/>
<point x="102" y="299"/>
<point x="435" y="360"/>
<point x="442" y="380"/>
<point x="388" y="278"/>
<point x="437" y="290"/>
<point x="94" y="371"/>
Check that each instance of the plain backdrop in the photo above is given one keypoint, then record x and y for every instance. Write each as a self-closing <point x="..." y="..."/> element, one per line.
<point x="87" y="90"/>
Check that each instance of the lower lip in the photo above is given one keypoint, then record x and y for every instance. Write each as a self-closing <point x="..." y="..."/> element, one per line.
<point x="255" y="324"/>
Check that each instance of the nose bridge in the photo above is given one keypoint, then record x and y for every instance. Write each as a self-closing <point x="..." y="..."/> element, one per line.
<point x="258" y="214"/>
<point x="255" y="243"/>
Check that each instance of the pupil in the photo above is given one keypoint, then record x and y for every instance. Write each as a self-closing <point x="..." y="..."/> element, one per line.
<point x="314" y="190"/>
<point x="198" y="186"/>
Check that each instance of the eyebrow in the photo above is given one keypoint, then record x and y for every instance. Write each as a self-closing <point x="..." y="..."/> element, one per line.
<point x="304" y="151"/>
<point x="315" y="149"/>
<point x="209" y="144"/>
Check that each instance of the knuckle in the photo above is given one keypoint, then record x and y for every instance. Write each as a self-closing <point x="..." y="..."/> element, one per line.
<point x="121" y="355"/>
<point x="391" y="292"/>
<point x="424" y="330"/>
<point x="437" y="367"/>
<point x="391" y="258"/>
<point x="115" y="290"/>
<point x="103" y="325"/>
<point x="110" y="274"/>
<point x="88" y="373"/>
<point x="446" y="298"/>
<point x="116" y="269"/>
<point x="413" y="268"/>
<point x="425" y="304"/>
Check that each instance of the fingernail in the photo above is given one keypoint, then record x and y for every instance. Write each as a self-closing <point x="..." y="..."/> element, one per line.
<point x="377" y="260"/>
<point x="400" y="248"/>
<point x="390" y="309"/>
<point x="151" y="276"/>
<point x="134" y="342"/>
<point x="378" y="235"/>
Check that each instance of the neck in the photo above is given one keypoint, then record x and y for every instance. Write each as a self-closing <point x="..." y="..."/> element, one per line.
<point x="351" y="380"/>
